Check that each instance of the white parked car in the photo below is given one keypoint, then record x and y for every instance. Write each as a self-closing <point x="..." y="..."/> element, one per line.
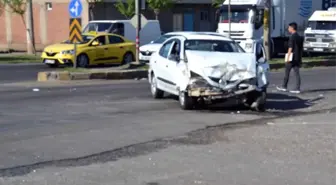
<point x="147" y="50"/>
<point x="208" y="68"/>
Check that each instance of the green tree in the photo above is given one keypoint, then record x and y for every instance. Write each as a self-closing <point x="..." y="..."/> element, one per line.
<point x="158" y="5"/>
<point x="127" y="9"/>
<point x="217" y="3"/>
<point x="92" y="4"/>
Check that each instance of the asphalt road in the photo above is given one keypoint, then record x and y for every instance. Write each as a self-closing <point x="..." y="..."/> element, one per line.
<point x="20" y="72"/>
<point x="80" y="124"/>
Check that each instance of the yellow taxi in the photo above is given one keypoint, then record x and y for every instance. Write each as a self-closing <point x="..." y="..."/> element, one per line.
<point x="96" y="48"/>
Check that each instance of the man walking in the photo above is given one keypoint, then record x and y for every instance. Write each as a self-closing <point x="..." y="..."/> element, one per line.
<point x="295" y="48"/>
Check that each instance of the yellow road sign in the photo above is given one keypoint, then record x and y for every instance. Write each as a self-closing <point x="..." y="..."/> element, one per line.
<point x="75" y="30"/>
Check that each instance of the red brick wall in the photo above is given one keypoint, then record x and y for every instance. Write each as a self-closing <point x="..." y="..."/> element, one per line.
<point x="58" y="23"/>
<point x="57" y="27"/>
<point x="3" y="39"/>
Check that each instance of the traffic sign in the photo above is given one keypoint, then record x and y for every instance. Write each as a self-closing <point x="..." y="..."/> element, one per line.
<point x="142" y="19"/>
<point x="75" y="30"/>
<point x="75" y="8"/>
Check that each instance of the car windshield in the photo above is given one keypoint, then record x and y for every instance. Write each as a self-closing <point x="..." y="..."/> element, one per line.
<point x="322" y="25"/>
<point x="86" y="39"/>
<point x="213" y="46"/>
<point x="162" y="38"/>
<point x="237" y="16"/>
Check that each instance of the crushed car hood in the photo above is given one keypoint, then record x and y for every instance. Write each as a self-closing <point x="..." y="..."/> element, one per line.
<point x="220" y="65"/>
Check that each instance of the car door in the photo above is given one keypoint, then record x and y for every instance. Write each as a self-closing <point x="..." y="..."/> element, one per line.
<point x="177" y="68"/>
<point x="101" y="50"/>
<point x="116" y="49"/>
<point x="160" y="66"/>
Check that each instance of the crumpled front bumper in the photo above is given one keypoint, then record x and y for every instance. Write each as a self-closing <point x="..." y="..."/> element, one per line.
<point x="202" y="89"/>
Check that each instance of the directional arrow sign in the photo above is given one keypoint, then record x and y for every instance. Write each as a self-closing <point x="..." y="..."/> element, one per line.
<point x="143" y="21"/>
<point x="75" y="8"/>
<point x="75" y="30"/>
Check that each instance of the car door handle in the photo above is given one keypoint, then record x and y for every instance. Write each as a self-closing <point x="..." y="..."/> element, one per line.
<point x="121" y="47"/>
<point x="106" y="48"/>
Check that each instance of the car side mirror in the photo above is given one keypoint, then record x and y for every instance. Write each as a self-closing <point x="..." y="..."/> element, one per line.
<point x="173" y="58"/>
<point x="95" y="43"/>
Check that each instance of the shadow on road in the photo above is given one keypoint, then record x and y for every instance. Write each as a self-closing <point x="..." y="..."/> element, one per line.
<point x="287" y="102"/>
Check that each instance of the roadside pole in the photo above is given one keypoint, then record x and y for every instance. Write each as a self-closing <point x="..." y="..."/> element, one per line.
<point x="267" y="32"/>
<point x="30" y="28"/>
<point x="229" y="13"/>
<point x="75" y="35"/>
<point x="138" y="19"/>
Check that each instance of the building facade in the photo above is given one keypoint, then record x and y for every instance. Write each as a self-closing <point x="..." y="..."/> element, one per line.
<point x="51" y="20"/>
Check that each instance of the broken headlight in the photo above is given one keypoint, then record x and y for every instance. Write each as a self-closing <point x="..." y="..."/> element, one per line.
<point x="196" y="81"/>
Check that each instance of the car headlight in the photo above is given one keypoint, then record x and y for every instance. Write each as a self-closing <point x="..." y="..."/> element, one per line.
<point x="68" y="52"/>
<point x="332" y="45"/>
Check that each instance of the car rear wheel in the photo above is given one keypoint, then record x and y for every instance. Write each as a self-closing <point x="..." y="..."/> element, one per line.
<point x="156" y="92"/>
<point x="128" y="58"/>
<point x="82" y="61"/>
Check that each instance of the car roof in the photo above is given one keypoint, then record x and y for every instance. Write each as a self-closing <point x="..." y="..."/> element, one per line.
<point x="93" y="33"/>
<point x="200" y="35"/>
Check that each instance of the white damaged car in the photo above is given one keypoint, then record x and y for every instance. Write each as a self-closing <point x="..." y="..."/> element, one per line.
<point x="204" y="68"/>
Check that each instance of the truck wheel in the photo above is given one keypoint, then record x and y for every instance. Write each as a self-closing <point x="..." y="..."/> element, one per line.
<point x="186" y="102"/>
<point x="156" y="92"/>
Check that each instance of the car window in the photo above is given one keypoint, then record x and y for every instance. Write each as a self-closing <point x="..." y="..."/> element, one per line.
<point x="115" y="39"/>
<point x="101" y="40"/>
<point x="174" y="54"/>
<point x="118" y="28"/>
<point x="162" y="38"/>
<point x="212" y="45"/>
<point x="98" y="27"/>
<point x="164" y="51"/>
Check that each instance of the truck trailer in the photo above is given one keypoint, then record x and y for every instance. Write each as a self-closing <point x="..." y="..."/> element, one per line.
<point x="320" y="36"/>
<point x="246" y="23"/>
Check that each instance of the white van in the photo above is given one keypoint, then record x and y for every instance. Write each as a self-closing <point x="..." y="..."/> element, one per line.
<point x="124" y="28"/>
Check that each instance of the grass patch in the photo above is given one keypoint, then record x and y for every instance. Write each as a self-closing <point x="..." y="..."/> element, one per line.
<point x="19" y="58"/>
<point x="71" y="69"/>
<point x="305" y="59"/>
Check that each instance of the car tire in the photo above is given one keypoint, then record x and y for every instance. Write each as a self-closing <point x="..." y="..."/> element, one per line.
<point x="186" y="102"/>
<point x="156" y="92"/>
<point x="83" y="61"/>
<point x="256" y="100"/>
<point x="128" y="58"/>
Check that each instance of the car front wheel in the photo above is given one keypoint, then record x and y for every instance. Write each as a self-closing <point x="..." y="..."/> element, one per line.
<point x="186" y="102"/>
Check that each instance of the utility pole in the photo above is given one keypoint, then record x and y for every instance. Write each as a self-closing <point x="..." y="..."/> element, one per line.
<point x="229" y="9"/>
<point x="138" y="24"/>
<point x="30" y="28"/>
<point x="267" y="30"/>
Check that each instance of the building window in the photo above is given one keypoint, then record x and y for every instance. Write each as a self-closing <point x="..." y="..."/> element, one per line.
<point x="49" y="6"/>
<point x="204" y="16"/>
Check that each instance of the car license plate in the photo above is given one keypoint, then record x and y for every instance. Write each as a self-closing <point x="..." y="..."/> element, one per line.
<point x="318" y="49"/>
<point x="145" y="58"/>
<point x="50" y="61"/>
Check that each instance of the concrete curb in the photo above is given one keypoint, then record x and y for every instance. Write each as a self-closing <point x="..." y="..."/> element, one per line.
<point x="108" y="75"/>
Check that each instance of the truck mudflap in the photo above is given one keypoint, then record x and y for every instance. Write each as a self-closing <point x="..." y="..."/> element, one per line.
<point x="213" y="93"/>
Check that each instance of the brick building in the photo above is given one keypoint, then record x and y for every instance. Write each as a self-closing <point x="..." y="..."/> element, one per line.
<point x="51" y="20"/>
